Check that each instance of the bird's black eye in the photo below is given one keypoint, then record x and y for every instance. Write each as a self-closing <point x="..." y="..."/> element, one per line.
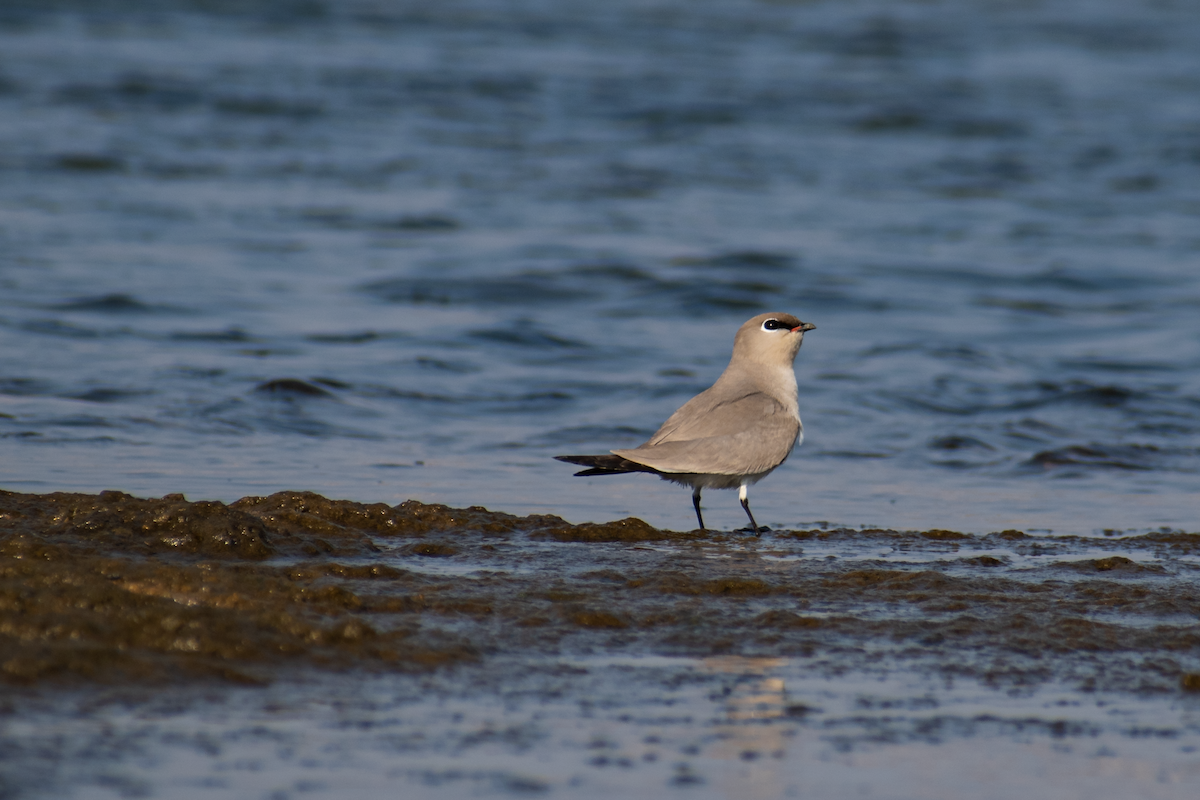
<point x="773" y="325"/>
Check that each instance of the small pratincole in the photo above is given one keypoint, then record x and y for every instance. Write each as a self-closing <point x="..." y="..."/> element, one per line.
<point x="734" y="433"/>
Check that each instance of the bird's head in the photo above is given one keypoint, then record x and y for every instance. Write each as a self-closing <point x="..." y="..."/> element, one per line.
<point x="772" y="339"/>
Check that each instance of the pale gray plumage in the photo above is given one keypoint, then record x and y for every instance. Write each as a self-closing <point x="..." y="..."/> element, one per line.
<point x="734" y="433"/>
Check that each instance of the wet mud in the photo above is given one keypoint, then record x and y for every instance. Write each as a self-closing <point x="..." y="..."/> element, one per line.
<point x="115" y="589"/>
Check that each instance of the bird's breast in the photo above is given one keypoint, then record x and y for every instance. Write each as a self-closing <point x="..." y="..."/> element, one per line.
<point x="784" y="390"/>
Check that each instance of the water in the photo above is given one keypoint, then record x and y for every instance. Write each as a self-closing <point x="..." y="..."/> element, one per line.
<point x="491" y="235"/>
<point x="704" y="728"/>
<point x="385" y="250"/>
<point x="299" y="647"/>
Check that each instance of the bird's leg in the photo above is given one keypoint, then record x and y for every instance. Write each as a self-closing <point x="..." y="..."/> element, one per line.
<point x="696" y="503"/>
<point x="742" y="495"/>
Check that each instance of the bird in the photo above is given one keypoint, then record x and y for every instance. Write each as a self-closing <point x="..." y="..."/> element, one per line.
<point x="734" y="433"/>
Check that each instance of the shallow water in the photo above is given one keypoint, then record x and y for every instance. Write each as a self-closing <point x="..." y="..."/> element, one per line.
<point x="480" y="237"/>
<point x="293" y="646"/>
<point x="703" y="728"/>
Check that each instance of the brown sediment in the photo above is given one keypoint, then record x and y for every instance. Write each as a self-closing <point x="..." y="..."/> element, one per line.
<point x="115" y="588"/>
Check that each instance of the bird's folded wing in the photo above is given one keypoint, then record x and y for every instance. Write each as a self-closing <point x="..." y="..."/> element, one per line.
<point x="747" y="435"/>
<point x="704" y="417"/>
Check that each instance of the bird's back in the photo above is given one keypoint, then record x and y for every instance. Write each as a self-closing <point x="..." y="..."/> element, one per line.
<point x="744" y="424"/>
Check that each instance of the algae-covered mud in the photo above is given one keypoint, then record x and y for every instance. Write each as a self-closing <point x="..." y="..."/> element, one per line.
<point x="306" y="646"/>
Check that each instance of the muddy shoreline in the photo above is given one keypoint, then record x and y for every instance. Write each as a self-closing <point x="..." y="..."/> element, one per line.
<point x="111" y="588"/>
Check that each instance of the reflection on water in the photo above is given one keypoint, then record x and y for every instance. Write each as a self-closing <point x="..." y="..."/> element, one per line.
<point x="758" y="699"/>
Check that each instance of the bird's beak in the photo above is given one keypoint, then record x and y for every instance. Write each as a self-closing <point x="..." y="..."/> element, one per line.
<point x="804" y="326"/>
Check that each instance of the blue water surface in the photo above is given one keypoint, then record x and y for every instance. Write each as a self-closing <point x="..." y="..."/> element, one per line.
<point x="390" y="250"/>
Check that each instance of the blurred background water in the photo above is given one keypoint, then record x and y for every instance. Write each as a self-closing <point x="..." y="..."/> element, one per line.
<point x="384" y="250"/>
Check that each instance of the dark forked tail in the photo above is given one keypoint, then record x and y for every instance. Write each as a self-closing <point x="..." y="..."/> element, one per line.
<point x="606" y="465"/>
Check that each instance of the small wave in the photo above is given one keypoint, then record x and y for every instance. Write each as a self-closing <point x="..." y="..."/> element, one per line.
<point x="236" y="335"/>
<point x="741" y="259"/>
<point x="342" y="218"/>
<point x="527" y="337"/>
<point x="429" y="223"/>
<point x="107" y="395"/>
<point x="852" y="454"/>
<point x="1046" y="393"/>
<point x="1128" y="457"/>
<point x="54" y="327"/>
<point x="24" y="387"/>
<point x="112" y="304"/>
<point x="344" y="338"/>
<point x="589" y="434"/>
<point x="959" y="443"/>
<point x="291" y="388"/>
<point x="268" y="106"/>
<point x="1112" y="365"/>
<point x="89" y="163"/>
<point x="134" y="90"/>
<point x="528" y="289"/>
